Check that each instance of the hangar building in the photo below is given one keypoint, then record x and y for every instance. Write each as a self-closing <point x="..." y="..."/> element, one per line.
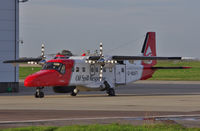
<point x="9" y="44"/>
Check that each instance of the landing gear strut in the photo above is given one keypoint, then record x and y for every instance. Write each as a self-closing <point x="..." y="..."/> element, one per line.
<point x="110" y="91"/>
<point x="39" y="93"/>
<point x="74" y="92"/>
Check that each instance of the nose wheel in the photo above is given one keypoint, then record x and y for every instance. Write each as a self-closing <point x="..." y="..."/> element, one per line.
<point x="39" y="93"/>
<point x="110" y="91"/>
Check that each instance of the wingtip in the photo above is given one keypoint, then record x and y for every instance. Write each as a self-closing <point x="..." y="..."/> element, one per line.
<point x="187" y="67"/>
<point x="189" y="58"/>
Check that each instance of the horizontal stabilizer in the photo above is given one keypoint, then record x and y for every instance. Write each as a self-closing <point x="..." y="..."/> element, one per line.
<point x="158" y="68"/>
<point x="145" y="58"/>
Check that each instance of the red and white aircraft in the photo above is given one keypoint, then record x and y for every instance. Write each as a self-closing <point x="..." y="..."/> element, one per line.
<point x="96" y="73"/>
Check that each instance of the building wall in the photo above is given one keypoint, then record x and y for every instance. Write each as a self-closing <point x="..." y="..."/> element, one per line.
<point x="9" y="37"/>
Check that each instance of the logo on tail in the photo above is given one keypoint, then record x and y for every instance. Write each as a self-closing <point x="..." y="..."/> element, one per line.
<point x="149" y="48"/>
<point x="148" y="53"/>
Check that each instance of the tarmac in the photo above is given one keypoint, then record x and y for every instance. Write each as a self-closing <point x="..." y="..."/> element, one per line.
<point x="144" y="102"/>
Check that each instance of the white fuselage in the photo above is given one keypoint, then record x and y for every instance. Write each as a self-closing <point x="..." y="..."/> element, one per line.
<point x="87" y="74"/>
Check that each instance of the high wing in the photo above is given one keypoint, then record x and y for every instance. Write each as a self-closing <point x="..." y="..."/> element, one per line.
<point x="145" y="58"/>
<point x="119" y="58"/>
<point x="23" y="60"/>
<point x="38" y="60"/>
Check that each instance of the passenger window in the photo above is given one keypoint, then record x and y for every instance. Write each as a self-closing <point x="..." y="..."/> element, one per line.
<point x="122" y="70"/>
<point x="77" y="69"/>
<point x="83" y="69"/>
<point x="91" y="69"/>
<point x="97" y="70"/>
<point x="62" y="71"/>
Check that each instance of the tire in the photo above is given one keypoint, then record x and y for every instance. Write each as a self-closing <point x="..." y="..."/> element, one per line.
<point x="36" y="95"/>
<point x="39" y="95"/>
<point x="73" y="94"/>
<point x="111" y="92"/>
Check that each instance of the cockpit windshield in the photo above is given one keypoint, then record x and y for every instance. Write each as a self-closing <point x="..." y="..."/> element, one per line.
<point x="54" y="66"/>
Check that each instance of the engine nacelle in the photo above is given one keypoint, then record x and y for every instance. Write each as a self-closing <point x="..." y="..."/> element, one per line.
<point x="63" y="89"/>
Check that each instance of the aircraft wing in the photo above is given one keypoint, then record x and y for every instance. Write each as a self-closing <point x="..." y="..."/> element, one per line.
<point x="142" y="58"/>
<point x="22" y="60"/>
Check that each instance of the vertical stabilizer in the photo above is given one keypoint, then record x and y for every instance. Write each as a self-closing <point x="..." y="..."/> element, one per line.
<point x="149" y="48"/>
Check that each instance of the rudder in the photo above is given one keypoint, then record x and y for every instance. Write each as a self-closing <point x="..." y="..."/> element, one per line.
<point x="149" y="48"/>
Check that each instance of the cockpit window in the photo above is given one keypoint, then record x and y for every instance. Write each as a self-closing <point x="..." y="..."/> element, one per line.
<point x="54" y="66"/>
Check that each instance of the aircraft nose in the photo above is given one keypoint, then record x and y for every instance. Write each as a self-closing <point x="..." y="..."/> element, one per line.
<point x="43" y="78"/>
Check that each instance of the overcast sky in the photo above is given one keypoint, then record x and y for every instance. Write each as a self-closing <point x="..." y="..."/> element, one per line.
<point x="79" y="25"/>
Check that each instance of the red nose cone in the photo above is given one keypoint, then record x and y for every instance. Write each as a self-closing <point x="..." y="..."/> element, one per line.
<point x="44" y="78"/>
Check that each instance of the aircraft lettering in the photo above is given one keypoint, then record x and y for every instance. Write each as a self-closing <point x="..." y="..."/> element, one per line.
<point x="87" y="78"/>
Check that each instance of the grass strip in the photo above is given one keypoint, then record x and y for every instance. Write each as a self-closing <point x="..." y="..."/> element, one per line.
<point x="110" y="127"/>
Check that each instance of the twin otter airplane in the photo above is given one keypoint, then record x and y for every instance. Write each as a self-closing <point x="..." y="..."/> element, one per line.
<point x="97" y="73"/>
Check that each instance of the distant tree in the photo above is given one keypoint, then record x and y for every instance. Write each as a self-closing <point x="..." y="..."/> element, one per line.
<point x="66" y="53"/>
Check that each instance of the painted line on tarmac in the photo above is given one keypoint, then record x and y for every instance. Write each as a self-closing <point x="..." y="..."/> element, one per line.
<point x="100" y="118"/>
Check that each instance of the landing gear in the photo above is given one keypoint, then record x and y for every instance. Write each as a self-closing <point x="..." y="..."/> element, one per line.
<point x="74" y="92"/>
<point x="39" y="93"/>
<point x="110" y="91"/>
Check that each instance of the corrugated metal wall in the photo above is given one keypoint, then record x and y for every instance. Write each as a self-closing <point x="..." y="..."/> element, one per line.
<point x="9" y="36"/>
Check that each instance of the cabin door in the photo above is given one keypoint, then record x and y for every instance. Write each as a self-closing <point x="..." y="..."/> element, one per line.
<point x="120" y="74"/>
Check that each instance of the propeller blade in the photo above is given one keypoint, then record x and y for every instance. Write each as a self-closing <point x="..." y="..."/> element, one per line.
<point x="101" y="73"/>
<point x="101" y="50"/>
<point x="42" y="51"/>
<point x="22" y="60"/>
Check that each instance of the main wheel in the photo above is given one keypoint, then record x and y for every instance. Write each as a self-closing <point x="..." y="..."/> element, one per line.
<point x="39" y="94"/>
<point x="111" y="92"/>
<point x="74" y="92"/>
<point x="36" y="95"/>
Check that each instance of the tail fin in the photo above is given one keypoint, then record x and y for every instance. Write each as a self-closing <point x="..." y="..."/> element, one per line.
<point x="149" y="48"/>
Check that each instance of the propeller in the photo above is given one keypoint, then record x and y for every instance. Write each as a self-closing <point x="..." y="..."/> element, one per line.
<point x="43" y="57"/>
<point x="101" y="61"/>
<point x="39" y="60"/>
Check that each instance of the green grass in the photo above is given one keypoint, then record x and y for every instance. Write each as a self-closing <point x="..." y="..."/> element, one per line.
<point x="192" y="74"/>
<point x="110" y="127"/>
<point x="25" y="71"/>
